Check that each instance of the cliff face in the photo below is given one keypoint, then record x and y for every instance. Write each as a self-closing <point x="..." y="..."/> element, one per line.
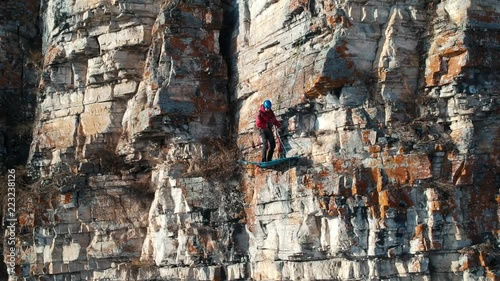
<point x="393" y="106"/>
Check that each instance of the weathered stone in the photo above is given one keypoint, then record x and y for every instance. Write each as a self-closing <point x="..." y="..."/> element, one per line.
<point x="352" y="96"/>
<point x="96" y="118"/>
<point x="124" y="89"/>
<point x="128" y="37"/>
<point x="395" y="176"/>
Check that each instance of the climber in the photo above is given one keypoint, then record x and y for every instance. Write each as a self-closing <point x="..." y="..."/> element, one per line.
<point x="265" y="121"/>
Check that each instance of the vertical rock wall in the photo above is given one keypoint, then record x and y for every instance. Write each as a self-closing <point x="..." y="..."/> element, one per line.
<point x="129" y="93"/>
<point x="393" y="106"/>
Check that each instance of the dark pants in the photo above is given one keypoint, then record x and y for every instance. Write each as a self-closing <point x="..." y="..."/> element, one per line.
<point x="268" y="144"/>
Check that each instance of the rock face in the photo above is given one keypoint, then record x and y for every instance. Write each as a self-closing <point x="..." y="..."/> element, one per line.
<point x="392" y="106"/>
<point x="377" y="96"/>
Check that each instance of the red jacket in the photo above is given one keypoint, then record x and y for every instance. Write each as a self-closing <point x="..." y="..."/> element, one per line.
<point x="265" y="119"/>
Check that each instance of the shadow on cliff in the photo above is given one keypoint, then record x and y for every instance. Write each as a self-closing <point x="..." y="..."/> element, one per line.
<point x="228" y="47"/>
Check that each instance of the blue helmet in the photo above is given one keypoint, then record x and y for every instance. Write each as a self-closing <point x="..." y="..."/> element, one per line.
<point x="267" y="104"/>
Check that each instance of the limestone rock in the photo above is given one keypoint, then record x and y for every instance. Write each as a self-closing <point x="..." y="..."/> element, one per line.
<point x="146" y="106"/>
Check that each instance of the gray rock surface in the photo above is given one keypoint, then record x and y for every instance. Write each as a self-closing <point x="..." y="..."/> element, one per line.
<point x="392" y="106"/>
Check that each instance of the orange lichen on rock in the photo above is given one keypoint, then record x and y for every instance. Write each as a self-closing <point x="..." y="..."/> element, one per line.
<point x="53" y="53"/>
<point x="326" y="81"/>
<point x="419" y="230"/>
<point x="191" y="248"/>
<point x="492" y="275"/>
<point x="420" y="236"/>
<point x="26" y="219"/>
<point x="404" y="169"/>
<point x="345" y="165"/>
<point x="463" y="171"/>
<point x="393" y="198"/>
<point x="447" y="57"/>
<point x="365" y="136"/>
<point x="419" y="167"/>
<point x="454" y="66"/>
<point x="67" y="198"/>
<point x="297" y="4"/>
<point x="311" y="183"/>
<point x="398" y="174"/>
<point x="483" y="259"/>
<point x="322" y="84"/>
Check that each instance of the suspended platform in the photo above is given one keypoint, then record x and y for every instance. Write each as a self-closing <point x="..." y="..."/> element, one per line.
<point x="271" y="163"/>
